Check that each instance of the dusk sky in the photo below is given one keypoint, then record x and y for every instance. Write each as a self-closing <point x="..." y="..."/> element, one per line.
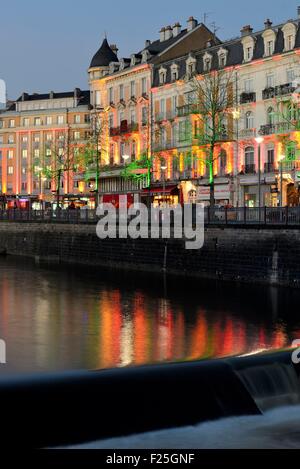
<point x="48" y="45"/>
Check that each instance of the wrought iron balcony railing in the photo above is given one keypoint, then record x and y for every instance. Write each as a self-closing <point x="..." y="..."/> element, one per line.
<point x="248" y="98"/>
<point x="278" y="128"/>
<point x="281" y="90"/>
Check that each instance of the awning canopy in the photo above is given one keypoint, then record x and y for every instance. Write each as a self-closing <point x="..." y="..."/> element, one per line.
<point x="169" y="190"/>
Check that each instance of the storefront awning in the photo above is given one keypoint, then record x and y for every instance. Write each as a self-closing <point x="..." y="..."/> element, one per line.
<point x="162" y="190"/>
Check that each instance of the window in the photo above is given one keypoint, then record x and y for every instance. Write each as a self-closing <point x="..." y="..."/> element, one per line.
<point x="289" y="32"/>
<point x="36" y="138"/>
<point x="111" y="95"/>
<point x="174" y="104"/>
<point x="270" y="81"/>
<point x="36" y="153"/>
<point x="26" y="121"/>
<point x="270" y="47"/>
<point x="10" y="154"/>
<point x="121" y="92"/>
<point x="24" y="138"/>
<point x="271" y="116"/>
<point x="77" y="119"/>
<point x="11" y="123"/>
<point x="174" y="72"/>
<point x="133" y="149"/>
<point x="249" y="158"/>
<point x="162" y="107"/>
<point x="48" y="152"/>
<point x="24" y="186"/>
<point x="132" y="116"/>
<point x="122" y="149"/>
<point x="162" y="76"/>
<point x="24" y="153"/>
<point x="249" y="53"/>
<point x="10" y="170"/>
<point x="222" y="61"/>
<point x="223" y="161"/>
<point x="290" y="42"/>
<point x="270" y="156"/>
<point x="207" y="64"/>
<point x="248" y="85"/>
<point x="290" y="75"/>
<point x="249" y="120"/>
<point x="49" y="137"/>
<point x="60" y="119"/>
<point x="37" y="121"/>
<point x="132" y="89"/>
<point x="49" y="120"/>
<point x="144" y="86"/>
<point x="121" y="117"/>
<point x="144" y="115"/>
<point x="97" y="98"/>
<point x="24" y="170"/>
<point x="11" y="139"/>
<point x="111" y="121"/>
<point x="76" y="135"/>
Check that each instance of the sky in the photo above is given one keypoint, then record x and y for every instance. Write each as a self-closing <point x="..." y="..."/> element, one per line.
<point x="48" y="45"/>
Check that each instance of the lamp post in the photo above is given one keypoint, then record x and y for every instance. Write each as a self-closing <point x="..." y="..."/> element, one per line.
<point x="259" y="140"/>
<point x="164" y="168"/>
<point x="280" y="161"/>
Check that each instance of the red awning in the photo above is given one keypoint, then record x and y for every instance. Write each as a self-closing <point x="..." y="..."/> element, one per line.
<point x="161" y="190"/>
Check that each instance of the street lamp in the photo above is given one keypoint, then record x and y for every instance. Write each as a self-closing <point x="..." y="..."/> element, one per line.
<point x="259" y="140"/>
<point x="280" y="161"/>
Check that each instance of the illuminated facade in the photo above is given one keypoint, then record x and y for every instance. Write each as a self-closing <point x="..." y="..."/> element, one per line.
<point x="29" y="130"/>
<point x="121" y="93"/>
<point x="265" y="70"/>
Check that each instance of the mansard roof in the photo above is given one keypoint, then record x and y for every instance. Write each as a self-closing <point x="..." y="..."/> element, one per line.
<point x="235" y="53"/>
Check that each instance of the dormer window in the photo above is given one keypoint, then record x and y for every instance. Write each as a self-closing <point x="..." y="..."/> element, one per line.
<point x="207" y="61"/>
<point x="174" y="72"/>
<point x="269" y="37"/>
<point x="248" y="45"/>
<point x="222" y="54"/>
<point x="145" y="56"/>
<point x="162" y="76"/>
<point x="289" y="32"/>
<point x="190" y="66"/>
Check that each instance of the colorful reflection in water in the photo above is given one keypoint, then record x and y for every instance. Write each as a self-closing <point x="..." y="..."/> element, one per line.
<point x="54" y="320"/>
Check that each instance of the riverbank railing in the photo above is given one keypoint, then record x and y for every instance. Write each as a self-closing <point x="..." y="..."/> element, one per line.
<point x="281" y="216"/>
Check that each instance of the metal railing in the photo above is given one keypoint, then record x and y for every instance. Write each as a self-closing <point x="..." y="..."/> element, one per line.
<point x="284" y="216"/>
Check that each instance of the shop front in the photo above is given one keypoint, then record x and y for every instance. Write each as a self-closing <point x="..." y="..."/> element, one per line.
<point x="164" y="195"/>
<point x="222" y="193"/>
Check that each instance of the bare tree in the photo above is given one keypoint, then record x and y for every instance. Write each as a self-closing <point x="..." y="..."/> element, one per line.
<point x="211" y="100"/>
<point x="58" y="161"/>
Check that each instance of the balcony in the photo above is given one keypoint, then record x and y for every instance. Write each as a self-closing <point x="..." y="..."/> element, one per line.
<point x="249" y="169"/>
<point x="248" y="133"/>
<point x="223" y="136"/>
<point x="281" y="90"/>
<point x="166" y="145"/>
<point x="124" y="128"/>
<point x="269" y="167"/>
<point x="279" y="128"/>
<point x="246" y="98"/>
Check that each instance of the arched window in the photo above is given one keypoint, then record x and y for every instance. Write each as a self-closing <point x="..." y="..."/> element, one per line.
<point x="271" y="116"/>
<point x="249" y="120"/>
<point x="133" y="150"/>
<point x="249" y="160"/>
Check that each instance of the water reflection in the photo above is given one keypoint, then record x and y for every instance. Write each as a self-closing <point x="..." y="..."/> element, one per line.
<point x="55" y="320"/>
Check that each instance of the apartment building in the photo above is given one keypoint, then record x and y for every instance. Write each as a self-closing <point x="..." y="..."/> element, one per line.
<point x="265" y="70"/>
<point x="29" y="130"/>
<point x="121" y="95"/>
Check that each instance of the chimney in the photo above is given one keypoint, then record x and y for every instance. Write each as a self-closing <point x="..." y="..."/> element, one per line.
<point x="51" y="94"/>
<point x="246" y="30"/>
<point x="24" y="96"/>
<point x="268" y="24"/>
<point x="176" y="29"/>
<point x="147" y="43"/>
<point x="168" y="33"/>
<point x="298" y="11"/>
<point x="162" y="34"/>
<point x="191" y="23"/>
<point x="114" y="48"/>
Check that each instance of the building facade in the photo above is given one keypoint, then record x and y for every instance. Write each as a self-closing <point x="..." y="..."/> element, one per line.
<point x="31" y="130"/>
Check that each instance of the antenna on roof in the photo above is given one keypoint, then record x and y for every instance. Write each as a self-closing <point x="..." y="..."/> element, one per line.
<point x="205" y="16"/>
<point x="215" y="29"/>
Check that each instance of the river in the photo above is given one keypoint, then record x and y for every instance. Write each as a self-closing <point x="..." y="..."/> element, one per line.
<point x="55" y="318"/>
